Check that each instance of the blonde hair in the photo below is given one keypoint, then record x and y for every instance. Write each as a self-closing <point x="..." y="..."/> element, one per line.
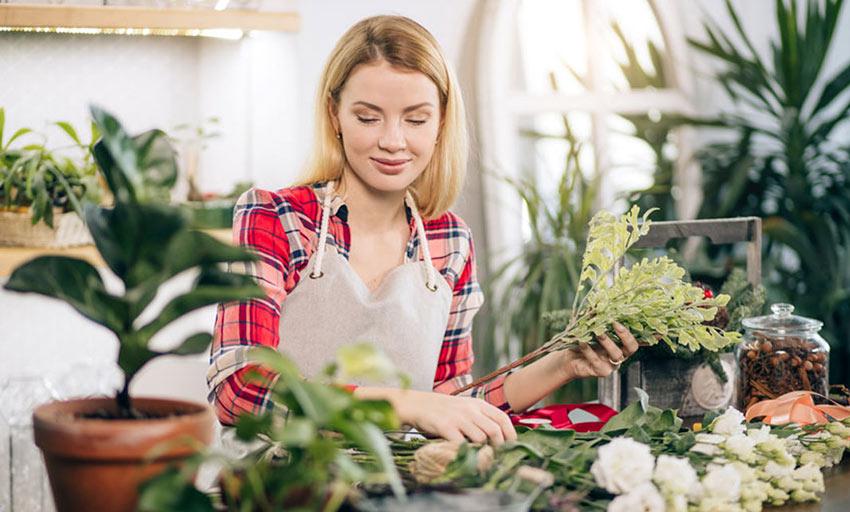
<point x="405" y="44"/>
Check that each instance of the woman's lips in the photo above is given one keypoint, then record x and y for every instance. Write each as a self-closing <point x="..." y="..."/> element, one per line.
<point x="389" y="166"/>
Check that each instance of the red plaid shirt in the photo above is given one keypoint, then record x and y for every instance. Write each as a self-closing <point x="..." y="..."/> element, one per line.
<point x="282" y="228"/>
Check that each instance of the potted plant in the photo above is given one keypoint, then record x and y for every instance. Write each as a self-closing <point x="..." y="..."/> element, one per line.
<point x="42" y="190"/>
<point x="95" y="449"/>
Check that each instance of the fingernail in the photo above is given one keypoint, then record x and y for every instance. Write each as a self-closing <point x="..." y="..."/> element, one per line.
<point x="618" y="326"/>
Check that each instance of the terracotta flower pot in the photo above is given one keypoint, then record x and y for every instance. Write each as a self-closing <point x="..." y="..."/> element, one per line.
<point x="97" y="464"/>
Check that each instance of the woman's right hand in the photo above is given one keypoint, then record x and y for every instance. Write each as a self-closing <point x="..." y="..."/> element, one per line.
<point x="454" y="418"/>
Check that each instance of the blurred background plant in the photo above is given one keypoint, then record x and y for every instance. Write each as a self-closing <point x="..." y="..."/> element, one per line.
<point x="40" y="180"/>
<point x="543" y="279"/>
<point x="784" y="163"/>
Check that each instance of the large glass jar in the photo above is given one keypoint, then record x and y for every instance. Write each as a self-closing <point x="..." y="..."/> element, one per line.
<point x="781" y="352"/>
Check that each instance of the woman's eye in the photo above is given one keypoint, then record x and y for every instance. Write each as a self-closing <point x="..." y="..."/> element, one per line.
<point x="367" y="120"/>
<point x="417" y="122"/>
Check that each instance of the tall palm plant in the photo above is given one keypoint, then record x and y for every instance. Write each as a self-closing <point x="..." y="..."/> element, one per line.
<point x="783" y="165"/>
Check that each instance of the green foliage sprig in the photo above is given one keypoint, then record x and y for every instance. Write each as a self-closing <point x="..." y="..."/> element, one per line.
<point x="649" y="298"/>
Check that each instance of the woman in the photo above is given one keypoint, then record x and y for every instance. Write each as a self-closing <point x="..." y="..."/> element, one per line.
<point x="364" y="249"/>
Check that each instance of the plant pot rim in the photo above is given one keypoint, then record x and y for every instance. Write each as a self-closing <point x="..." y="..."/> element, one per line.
<point x="59" y="430"/>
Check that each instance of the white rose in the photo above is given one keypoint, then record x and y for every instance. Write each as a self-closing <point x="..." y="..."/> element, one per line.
<point x="674" y="476"/>
<point x="741" y="447"/>
<point x="722" y="482"/>
<point x="728" y="423"/>
<point x="643" y="498"/>
<point x="622" y="465"/>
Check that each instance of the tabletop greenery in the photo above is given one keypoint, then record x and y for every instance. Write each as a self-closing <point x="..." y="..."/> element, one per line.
<point x="145" y="244"/>
<point x="643" y="460"/>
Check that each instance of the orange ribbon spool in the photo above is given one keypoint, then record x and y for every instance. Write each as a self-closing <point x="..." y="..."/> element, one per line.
<point x="796" y="407"/>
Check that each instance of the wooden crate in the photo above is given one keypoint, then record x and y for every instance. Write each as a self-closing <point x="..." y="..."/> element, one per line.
<point x="690" y="387"/>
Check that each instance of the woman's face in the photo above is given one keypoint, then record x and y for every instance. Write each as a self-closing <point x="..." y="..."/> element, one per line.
<point x="389" y="120"/>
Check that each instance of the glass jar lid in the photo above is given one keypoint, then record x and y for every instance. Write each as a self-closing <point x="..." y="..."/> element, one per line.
<point x="782" y="321"/>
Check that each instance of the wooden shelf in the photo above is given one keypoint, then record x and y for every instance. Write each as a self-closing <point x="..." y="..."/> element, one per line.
<point x="24" y="16"/>
<point x="11" y="257"/>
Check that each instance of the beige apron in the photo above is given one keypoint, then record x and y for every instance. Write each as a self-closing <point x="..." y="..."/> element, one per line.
<point x="406" y="316"/>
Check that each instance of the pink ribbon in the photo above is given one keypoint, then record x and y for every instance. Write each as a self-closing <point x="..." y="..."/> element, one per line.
<point x="559" y="416"/>
<point x="796" y="407"/>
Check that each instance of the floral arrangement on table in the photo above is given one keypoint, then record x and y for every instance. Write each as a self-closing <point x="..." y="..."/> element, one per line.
<point x="643" y="460"/>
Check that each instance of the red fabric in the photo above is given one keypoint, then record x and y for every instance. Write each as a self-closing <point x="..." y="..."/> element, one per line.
<point x="559" y="415"/>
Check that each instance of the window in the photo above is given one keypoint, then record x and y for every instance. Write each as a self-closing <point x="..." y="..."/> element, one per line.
<point x="551" y="61"/>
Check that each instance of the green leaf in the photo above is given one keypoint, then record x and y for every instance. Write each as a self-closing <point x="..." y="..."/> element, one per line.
<point x="169" y="491"/>
<point x="297" y="432"/>
<point x="74" y="281"/>
<point x="18" y="133"/>
<point x="364" y="361"/>
<point x="194" y="344"/>
<point x="131" y="239"/>
<point x="116" y="156"/>
<point x="545" y="443"/>
<point x="157" y="165"/>
<point x="211" y="287"/>
<point x="69" y="129"/>
<point x="249" y="426"/>
<point x="371" y="439"/>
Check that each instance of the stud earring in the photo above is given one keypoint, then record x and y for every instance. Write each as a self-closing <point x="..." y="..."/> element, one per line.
<point x="339" y="135"/>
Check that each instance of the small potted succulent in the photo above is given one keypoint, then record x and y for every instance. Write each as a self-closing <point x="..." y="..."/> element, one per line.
<point x="98" y="450"/>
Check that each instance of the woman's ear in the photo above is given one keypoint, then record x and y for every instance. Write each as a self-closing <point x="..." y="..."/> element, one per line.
<point x="333" y="114"/>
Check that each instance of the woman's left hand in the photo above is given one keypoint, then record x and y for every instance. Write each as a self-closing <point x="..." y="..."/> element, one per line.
<point x="601" y="360"/>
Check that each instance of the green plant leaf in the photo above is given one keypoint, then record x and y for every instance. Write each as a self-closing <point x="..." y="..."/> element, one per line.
<point x="249" y="426"/>
<point x="69" y="129"/>
<point x="74" y="281"/>
<point x="169" y="491"/>
<point x="194" y="344"/>
<point x="370" y="438"/>
<point x="211" y="287"/>
<point x="116" y="156"/>
<point x="18" y="133"/>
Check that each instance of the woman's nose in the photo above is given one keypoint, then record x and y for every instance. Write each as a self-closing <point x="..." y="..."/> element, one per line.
<point x="392" y="139"/>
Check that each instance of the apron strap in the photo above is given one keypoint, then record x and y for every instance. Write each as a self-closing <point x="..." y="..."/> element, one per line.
<point x="323" y="231"/>
<point x="431" y="282"/>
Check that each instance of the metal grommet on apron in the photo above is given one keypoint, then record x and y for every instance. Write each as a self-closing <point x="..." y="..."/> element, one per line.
<point x="405" y="316"/>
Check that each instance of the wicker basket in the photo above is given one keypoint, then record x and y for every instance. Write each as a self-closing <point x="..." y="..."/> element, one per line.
<point x="16" y="229"/>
